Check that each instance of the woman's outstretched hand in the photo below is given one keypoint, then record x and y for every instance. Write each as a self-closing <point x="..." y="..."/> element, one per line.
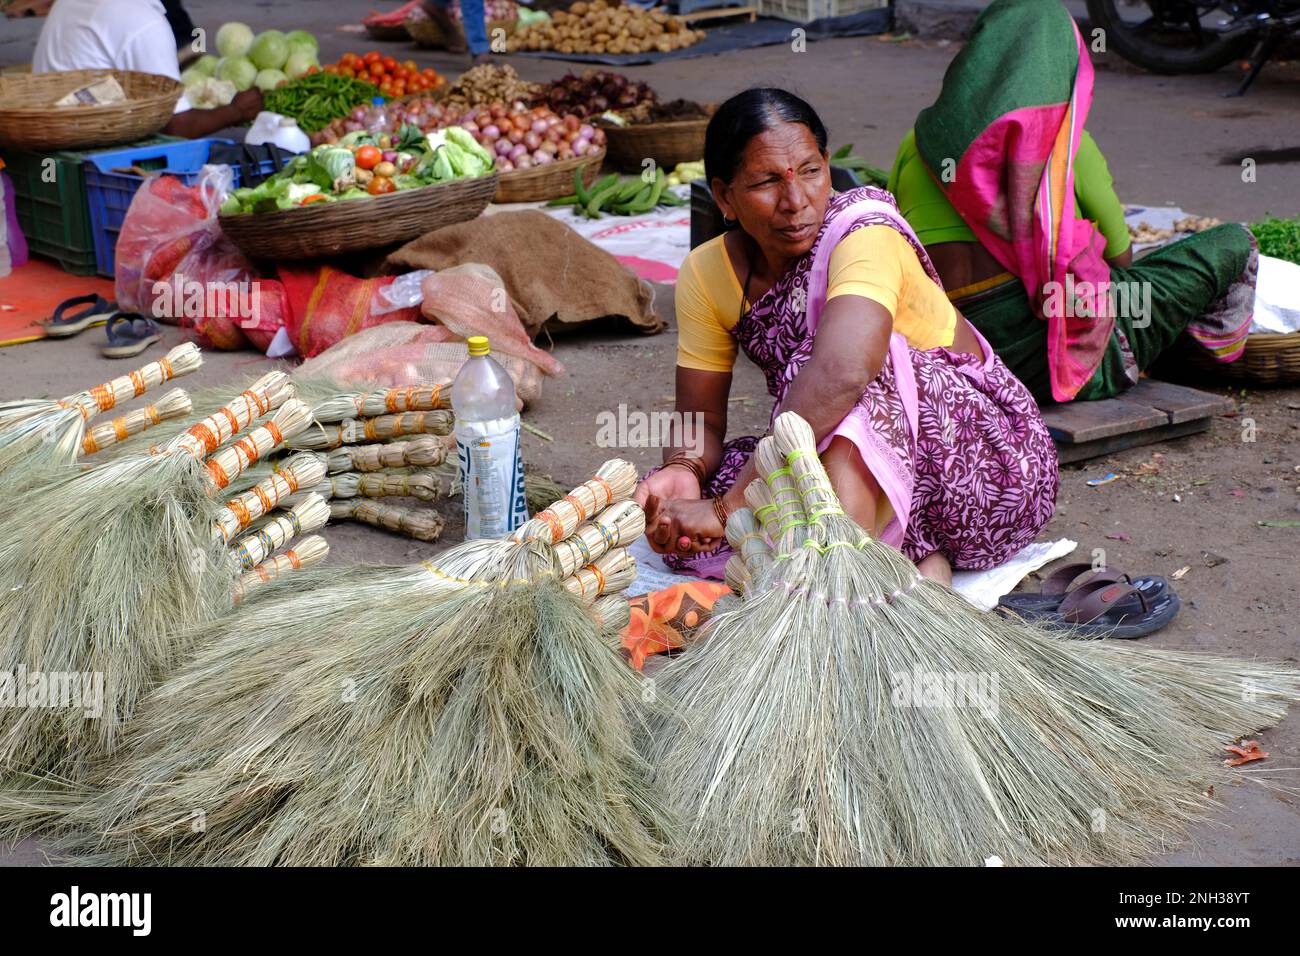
<point x="667" y="484"/>
<point x="682" y="525"/>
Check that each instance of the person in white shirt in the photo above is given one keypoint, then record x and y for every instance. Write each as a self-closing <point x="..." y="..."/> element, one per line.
<point x="130" y="35"/>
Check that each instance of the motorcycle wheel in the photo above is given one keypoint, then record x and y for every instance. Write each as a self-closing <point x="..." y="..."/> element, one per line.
<point x="1147" y="50"/>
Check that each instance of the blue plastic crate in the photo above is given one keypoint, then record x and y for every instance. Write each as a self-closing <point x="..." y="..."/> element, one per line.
<point x="109" y="194"/>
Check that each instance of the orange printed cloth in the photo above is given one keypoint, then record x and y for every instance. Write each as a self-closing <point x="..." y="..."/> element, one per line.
<point x="665" y="620"/>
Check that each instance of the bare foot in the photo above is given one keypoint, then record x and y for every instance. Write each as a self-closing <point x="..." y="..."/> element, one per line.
<point x="936" y="568"/>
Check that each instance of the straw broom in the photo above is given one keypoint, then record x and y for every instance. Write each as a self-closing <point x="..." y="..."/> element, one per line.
<point x="380" y="429"/>
<point x="172" y="405"/>
<point x="307" y="553"/>
<point x="393" y="401"/>
<point x="422" y="452"/>
<point x="285" y="525"/>
<point x="424" y="524"/>
<point x="835" y="715"/>
<point x="108" y="564"/>
<point x="40" y="437"/>
<point x="287" y="479"/>
<point x="466" y="711"/>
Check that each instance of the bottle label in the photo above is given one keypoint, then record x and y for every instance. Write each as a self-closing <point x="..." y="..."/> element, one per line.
<point x="492" y="475"/>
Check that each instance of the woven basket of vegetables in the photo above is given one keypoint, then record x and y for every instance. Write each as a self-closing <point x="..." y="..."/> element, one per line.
<point x="354" y="195"/>
<point x="550" y="181"/>
<point x="668" y="142"/>
<point x="29" y="118"/>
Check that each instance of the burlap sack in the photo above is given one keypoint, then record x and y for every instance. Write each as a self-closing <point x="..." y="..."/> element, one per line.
<point x="551" y="271"/>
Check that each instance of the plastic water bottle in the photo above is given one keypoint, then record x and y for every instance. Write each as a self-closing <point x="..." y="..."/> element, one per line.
<point x="487" y="441"/>
<point x="378" y="117"/>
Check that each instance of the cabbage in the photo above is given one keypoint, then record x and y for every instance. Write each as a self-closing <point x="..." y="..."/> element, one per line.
<point x="299" y="63"/>
<point x="238" y="70"/>
<point x="205" y="65"/>
<point x="234" y="39"/>
<point x="268" y="79"/>
<point x="210" y="92"/>
<point x="302" y="41"/>
<point x="269" y="51"/>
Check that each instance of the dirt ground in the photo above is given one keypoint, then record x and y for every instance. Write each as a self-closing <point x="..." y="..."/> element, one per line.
<point x="1198" y="505"/>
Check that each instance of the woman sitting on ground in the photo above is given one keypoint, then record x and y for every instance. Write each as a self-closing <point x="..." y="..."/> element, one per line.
<point x="984" y="180"/>
<point x="930" y="442"/>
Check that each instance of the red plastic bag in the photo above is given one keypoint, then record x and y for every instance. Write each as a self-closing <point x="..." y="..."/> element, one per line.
<point x="327" y="305"/>
<point x="175" y="264"/>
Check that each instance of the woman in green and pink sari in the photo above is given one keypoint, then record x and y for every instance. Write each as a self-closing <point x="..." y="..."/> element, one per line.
<point x="1014" y="205"/>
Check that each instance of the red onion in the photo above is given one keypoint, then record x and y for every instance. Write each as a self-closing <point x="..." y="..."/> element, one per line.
<point x="523" y="162"/>
<point x="515" y="136"/>
<point x="469" y="126"/>
<point x="517" y="152"/>
<point x="564" y="152"/>
<point x="541" y="158"/>
<point x="504" y="165"/>
<point x="581" y="146"/>
<point x="585" y="131"/>
<point x="501" y="147"/>
<point x="532" y="141"/>
<point x="492" y="132"/>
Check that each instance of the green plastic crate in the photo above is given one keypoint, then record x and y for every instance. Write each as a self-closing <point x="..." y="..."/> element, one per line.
<point x="50" y="200"/>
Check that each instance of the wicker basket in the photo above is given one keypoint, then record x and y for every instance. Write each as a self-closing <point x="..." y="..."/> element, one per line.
<point x="1270" y="358"/>
<point x="30" y="120"/>
<point x="548" y="182"/>
<point x="327" y="229"/>
<point x="427" y="33"/>
<point x="667" y="143"/>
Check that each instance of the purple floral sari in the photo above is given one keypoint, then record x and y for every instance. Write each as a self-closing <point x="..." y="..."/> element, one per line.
<point x="956" y="443"/>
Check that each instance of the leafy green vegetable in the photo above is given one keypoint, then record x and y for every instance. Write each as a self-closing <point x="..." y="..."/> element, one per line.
<point x="866" y="174"/>
<point x="1279" y="238"/>
<point x="332" y="167"/>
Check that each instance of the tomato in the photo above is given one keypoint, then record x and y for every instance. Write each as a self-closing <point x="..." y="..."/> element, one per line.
<point x="330" y="68"/>
<point x="389" y="63"/>
<point x="399" y="88"/>
<point x="368" y="157"/>
<point x="386" y="89"/>
<point x="380" y="185"/>
<point x="376" y="69"/>
<point x="348" y="72"/>
<point x="347" y="59"/>
<point x="313" y="69"/>
<point x="314" y="197"/>
<point x="372" y="56"/>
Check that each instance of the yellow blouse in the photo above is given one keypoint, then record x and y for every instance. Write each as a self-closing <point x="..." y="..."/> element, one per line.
<point x="875" y="262"/>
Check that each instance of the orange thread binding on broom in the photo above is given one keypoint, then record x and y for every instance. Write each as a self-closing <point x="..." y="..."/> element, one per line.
<point x="263" y="573"/>
<point x="166" y="366"/>
<point x="609" y="492"/>
<point x="120" y="429"/>
<point x="151" y="412"/>
<point x="138" y="383"/>
<point x="240" y="511"/>
<point x="582" y="512"/>
<point x="205" y="435"/>
<point x="218" y="474"/>
<point x="370" y="429"/>
<point x="552" y="522"/>
<point x="88" y="445"/>
<point x="294" y="561"/>
<point x="232" y="418"/>
<point x="104" y="397"/>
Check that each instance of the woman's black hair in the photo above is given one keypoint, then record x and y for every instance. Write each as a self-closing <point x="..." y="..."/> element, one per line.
<point x="745" y="116"/>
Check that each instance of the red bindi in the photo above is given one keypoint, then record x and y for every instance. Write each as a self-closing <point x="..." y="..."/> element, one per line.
<point x="789" y="173"/>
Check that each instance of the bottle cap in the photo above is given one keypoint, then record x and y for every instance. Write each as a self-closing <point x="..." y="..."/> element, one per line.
<point x="478" y="345"/>
<point x="377" y="101"/>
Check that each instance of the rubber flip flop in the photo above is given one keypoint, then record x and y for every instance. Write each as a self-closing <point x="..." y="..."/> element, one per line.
<point x="1104" y="609"/>
<point x="1062" y="581"/>
<point x="61" y="325"/>
<point x="129" y="334"/>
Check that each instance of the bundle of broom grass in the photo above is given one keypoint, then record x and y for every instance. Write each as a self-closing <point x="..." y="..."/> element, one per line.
<point x="104" y="566"/>
<point x="307" y="553"/>
<point x="39" y="437"/>
<point x="465" y="711"/>
<point x="849" y="712"/>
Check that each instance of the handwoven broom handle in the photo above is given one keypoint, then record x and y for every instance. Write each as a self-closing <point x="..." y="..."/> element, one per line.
<point x="611" y="574"/>
<point x="423" y="525"/>
<point x="202" y="439"/>
<point x="421" y="484"/>
<point x="174" y="404"/>
<point x="301" y="471"/>
<point x="310" y="551"/>
<point x="228" y="463"/>
<point x="614" y="482"/>
<point x="619" y="524"/>
<point x="179" y="361"/>
<point x="417" y="398"/>
<point x="425" y="451"/>
<point x="252" y="549"/>
<point x="325" y="437"/>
